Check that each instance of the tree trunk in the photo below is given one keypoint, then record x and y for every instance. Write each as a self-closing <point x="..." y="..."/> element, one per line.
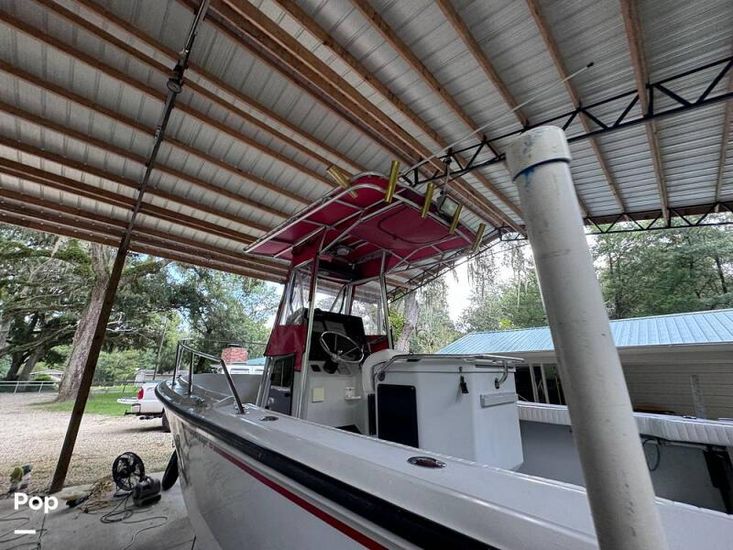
<point x="721" y="275"/>
<point x="5" y="322"/>
<point x="16" y="362"/>
<point x="87" y="323"/>
<point x="31" y="362"/>
<point x="411" y="312"/>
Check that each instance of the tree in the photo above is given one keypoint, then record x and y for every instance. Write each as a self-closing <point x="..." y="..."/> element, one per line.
<point x="221" y="308"/>
<point x="99" y="262"/>
<point x="434" y="328"/>
<point x="641" y="274"/>
<point x="136" y="271"/>
<point x="661" y="272"/>
<point x="39" y="284"/>
<point x="497" y="304"/>
<point x="405" y="322"/>
<point x="51" y="291"/>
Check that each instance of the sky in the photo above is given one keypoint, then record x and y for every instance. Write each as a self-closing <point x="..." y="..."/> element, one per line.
<point x="459" y="291"/>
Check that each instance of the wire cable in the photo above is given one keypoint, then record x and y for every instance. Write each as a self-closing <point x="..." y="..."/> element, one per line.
<point x="658" y="457"/>
<point x="121" y="513"/>
<point x="30" y="545"/>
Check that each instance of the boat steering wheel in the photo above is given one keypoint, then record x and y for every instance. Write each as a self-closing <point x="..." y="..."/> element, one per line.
<point x="338" y="355"/>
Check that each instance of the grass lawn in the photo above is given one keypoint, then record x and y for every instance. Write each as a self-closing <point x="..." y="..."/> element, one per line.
<point x="100" y="402"/>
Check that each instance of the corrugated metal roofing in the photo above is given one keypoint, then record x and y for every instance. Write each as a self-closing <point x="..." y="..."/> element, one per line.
<point x="259" y="121"/>
<point x="697" y="328"/>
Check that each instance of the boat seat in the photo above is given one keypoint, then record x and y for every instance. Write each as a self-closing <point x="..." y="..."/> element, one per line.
<point x="672" y="428"/>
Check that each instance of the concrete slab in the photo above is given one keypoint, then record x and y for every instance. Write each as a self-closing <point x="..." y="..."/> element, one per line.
<point x="162" y="526"/>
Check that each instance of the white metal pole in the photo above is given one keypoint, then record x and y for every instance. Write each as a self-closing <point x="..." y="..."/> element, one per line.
<point x="617" y="479"/>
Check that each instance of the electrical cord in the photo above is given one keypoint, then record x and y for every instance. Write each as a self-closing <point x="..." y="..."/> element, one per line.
<point x="658" y="458"/>
<point x="30" y="545"/>
<point x="121" y="513"/>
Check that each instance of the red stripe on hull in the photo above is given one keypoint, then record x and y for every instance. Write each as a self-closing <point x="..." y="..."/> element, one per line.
<point x="347" y="530"/>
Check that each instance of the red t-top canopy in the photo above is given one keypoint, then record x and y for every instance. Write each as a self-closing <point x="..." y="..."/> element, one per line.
<point x="354" y="228"/>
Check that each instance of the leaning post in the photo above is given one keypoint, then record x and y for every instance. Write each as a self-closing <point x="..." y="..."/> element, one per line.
<point x="175" y="86"/>
<point x="618" y="484"/>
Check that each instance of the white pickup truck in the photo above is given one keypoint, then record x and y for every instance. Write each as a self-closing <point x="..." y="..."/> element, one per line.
<point x="145" y="404"/>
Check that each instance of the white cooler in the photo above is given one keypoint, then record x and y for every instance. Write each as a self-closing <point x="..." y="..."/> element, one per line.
<point x="421" y="401"/>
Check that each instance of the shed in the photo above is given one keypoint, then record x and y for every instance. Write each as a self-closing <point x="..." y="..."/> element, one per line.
<point x="681" y="363"/>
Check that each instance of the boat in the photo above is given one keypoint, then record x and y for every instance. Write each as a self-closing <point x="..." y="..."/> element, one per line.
<point x="343" y="442"/>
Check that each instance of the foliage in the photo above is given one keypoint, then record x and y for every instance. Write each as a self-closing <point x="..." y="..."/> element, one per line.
<point x="45" y="287"/>
<point x="221" y="308"/>
<point x="663" y="272"/>
<point x="397" y="319"/>
<point x="496" y="304"/>
<point x="641" y="274"/>
<point x="434" y="327"/>
<point x="46" y="283"/>
<point x="122" y="365"/>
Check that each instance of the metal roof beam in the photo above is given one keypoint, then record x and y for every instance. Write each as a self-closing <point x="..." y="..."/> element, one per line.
<point x="229" y="89"/>
<point x="191" y="85"/>
<point x="89" y="233"/>
<point x="727" y="120"/>
<point x="160" y="96"/>
<point x="176" y="144"/>
<point x="632" y="26"/>
<point x="419" y="67"/>
<point x="557" y="60"/>
<point x="622" y="119"/>
<point x="43" y="122"/>
<point x="19" y="203"/>
<point x="453" y="17"/>
<point x="288" y="55"/>
<point x="61" y="183"/>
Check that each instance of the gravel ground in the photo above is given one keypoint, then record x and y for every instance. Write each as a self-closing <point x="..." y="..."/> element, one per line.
<point x="33" y="435"/>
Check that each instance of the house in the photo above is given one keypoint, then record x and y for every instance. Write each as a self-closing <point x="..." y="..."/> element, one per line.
<point x="680" y="363"/>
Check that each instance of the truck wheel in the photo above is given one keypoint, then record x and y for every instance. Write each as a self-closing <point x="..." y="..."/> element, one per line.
<point x="166" y="424"/>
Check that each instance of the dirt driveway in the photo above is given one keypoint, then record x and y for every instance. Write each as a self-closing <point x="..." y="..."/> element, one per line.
<point x="33" y="435"/>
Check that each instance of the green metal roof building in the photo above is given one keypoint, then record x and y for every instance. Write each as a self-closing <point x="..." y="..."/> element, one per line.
<point x="681" y="363"/>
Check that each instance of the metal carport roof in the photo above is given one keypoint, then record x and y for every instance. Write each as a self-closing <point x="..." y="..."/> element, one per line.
<point x="279" y="91"/>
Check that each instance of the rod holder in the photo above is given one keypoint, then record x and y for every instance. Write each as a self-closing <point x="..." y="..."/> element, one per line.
<point x="340" y="177"/>
<point x="456" y="219"/>
<point x="428" y="199"/>
<point x="479" y="237"/>
<point x="394" y="174"/>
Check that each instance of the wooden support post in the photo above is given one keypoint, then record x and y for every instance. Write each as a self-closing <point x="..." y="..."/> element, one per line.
<point x="545" y="393"/>
<point x="535" y="394"/>
<point x="698" y="401"/>
<point x="77" y="413"/>
<point x="175" y="84"/>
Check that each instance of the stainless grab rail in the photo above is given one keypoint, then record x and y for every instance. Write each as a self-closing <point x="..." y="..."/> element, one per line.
<point x="504" y="375"/>
<point x="232" y="387"/>
<point x="181" y="348"/>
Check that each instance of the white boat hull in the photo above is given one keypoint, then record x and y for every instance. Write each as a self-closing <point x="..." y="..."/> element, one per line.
<point x="236" y="502"/>
<point x="289" y="483"/>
